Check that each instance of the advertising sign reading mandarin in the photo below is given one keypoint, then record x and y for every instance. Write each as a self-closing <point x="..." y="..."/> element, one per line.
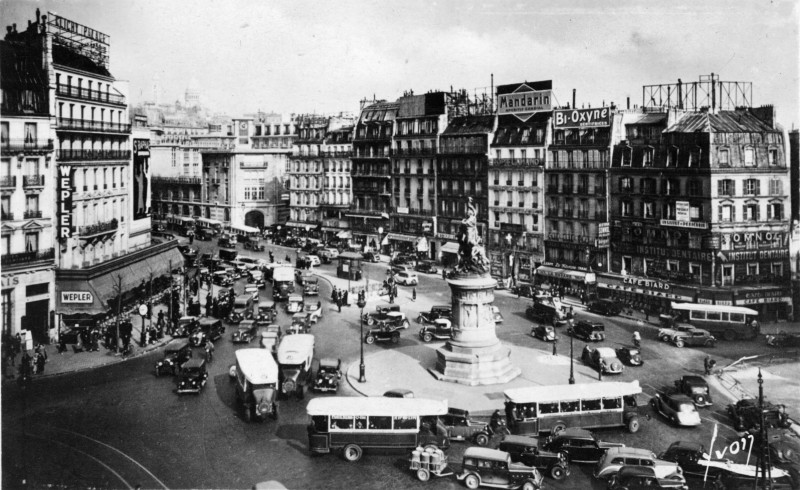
<point x="525" y="99"/>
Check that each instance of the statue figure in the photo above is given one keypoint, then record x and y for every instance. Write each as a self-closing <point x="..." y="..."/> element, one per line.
<point x="472" y="256"/>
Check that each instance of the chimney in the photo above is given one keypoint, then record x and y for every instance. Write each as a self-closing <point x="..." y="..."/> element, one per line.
<point x="713" y="95"/>
<point x="629" y="102"/>
<point x="680" y="94"/>
<point x="573" y="98"/>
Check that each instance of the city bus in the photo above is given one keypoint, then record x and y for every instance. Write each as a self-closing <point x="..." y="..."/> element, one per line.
<point x="214" y="226"/>
<point x="535" y="409"/>
<point x="354" y="423"/>
<point x="242" y="232"/>
<point x="727" y="322"/>
<point x="181" y="224"/>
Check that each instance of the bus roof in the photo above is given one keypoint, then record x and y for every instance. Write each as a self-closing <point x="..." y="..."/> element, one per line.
<point x="294" y="348"/>
<point x="556" y="393"/>
<point x="257" y="365"/>
<point x="209" y="221"/>
<point x="717" y="308"/>
<point x="375" y="405"/>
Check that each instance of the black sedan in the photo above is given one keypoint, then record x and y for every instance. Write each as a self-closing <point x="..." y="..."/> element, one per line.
<point x="630" y="356"/>
<point x="605" y="307"/>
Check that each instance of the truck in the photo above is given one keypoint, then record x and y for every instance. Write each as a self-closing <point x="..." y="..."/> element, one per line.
<point x="282" y="283"/>
<point x="547" y="309"/>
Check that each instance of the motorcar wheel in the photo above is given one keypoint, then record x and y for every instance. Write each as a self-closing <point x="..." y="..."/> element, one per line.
<point x="482" y="439"/>
<point x="679" y="343"/>
<point x="557" y="473"/>
<point x="472" y="481"/>
<point x="352" y="452"/>
<point x="529" y="485"/>
<point x="369" y="339"/>
<point x="395" y="339"/>
<point x="710" y="343"/>
<point x="427" y="337"/>
<point x="560" y="426"/>
<point x="406" y="324"/>
<point x="633" y="425"/>
<point x="370" y="321"/>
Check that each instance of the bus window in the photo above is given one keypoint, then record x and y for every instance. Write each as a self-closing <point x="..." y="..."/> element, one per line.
<point x="609" y="403"/>
<point x="341" y="422"/>
<point x="630" y="401"/>
<point x="380" y="422"/>
<point x="528" y="410"/>
<point x="698" y="315"/>
<point x="567" y="407"/>
<point x="320" y="423"/>
<point x="712" y="315"/>
<point x="724" y="316"/>
<point x="405" y="422"/>
<point x="361" y="422"/>
<point x="548" y="408"/>
<point x="588" y="405"/>
<point x="737" y="317"/>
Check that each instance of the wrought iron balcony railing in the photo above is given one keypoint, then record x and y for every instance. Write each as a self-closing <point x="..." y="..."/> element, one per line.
<point x="87" y="125"/>
<point x="87" y="94"/>
<point x="77" y="155"/>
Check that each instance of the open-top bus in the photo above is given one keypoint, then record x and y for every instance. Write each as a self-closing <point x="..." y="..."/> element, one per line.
<point x="727" y="322"/>
<point x="535" y="409"/>
<point x="355" y="423"/>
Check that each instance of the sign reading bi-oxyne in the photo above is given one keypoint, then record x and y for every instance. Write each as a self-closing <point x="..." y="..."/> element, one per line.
<point x="582" y="118"/>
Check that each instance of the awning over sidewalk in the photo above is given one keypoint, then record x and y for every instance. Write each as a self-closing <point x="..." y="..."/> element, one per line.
<point x="296" y="224"/>
<point x="403" y="238"/>
<point x="344" y="235"/>
<point x="571" y="275"/>
<point x="450" y="248"/>
<point x="657" y="288"/>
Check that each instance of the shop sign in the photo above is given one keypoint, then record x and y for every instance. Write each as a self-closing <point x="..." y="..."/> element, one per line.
<point x="525" y="99"/>
<point x="603" y="230"/>
<point x="755" y="240"/>
<point x="401" y="210"/>
<point x="682" y="211"/>
<point x="655" y="251"/>
<point x="647" y="283"/>
<point x="762" y="296"/>
<point x="64" y="202"/>
<point x="446" y="236"/>
<point x="697" y="225"/>
<point x="704" y="301"/>
<point x="582" y="118"/>
<point x="603" y="242"/>
<point x="753" y="255"/>
<point x="10" y="281"/>
<point x="84" y="297"/>
<point x="559" y="265"/>
<point x="141" y="178"/>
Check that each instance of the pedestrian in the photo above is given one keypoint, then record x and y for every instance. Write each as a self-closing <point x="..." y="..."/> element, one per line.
<point x="288" y="260"/>
<point x="583" y="297"/>
<point x="600" y="374"/>
<point x="571" y="312"/>
<point x="345" y="298"/>
<point x="40" y="360"/>
<point x="413" y="294"/>
<point x="444" y="273"/>
<point x="554" y="349"/>
<point x="339" y="302"/>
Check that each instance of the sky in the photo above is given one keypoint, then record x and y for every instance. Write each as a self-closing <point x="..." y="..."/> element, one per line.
<point x="322" y="56"/>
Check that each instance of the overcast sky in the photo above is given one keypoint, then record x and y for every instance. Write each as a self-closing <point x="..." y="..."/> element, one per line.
<point x="324" y="56"/>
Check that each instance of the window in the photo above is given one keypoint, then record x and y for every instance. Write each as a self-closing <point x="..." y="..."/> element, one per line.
<point x="32" y="242"/>
<point x="775" y="210"/>
<point x="777" y="269"/>
<point x="647" y="210"/>
<point x="726" y="187"/>
<point x="672" y="265"/>
<point x="30" y="133"/>
<point x="588" y="405"/>
<point x="668" y="210"/>
<point x="627" y="264"/>
<point x="726" y="213"/>
<point x="727" y="275"/>
<point x="696" y="270"/>
<point x="612" y="403"/>
<point x="695" y="240"/>
<point x="341" y="422"/>
<point x="626" y="184"/>
<point x="751" y="212"/>
<point x="773" y="156"/>
<point x="626" y="157"/>
<point x="749" y="157"/>
<point x="775" y="187"/>
<point x="752" y="269"/>
<point x="695" y="211"/>
<point x="751" y="187"/>
<point x="694" y="157"/>
<point x="697" y="315"/>
<point x="647" y="157"/>
<point x="694" y="188"/>
<point x="672" y="156"/>
<point x="724" y="158"/>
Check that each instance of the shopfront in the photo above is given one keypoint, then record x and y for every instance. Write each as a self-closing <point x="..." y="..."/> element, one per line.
<point x="567" y="281"/>
<point x="772" y="303"/>
<point x="646" y="294"/>
<point x="449" y="252"/>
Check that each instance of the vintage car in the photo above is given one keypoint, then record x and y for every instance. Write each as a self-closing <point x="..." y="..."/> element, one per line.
<point x="489" y="467"/>
<point x="441" y="329"/>
<point x="696" y="388"/>
<point x="634" y="477"/>
<point x="588" y="331"/>
<point x="496" y="315"/>
<point x="406" y="278"/>
<point x="394" y="319"/>
<point x="312" y="259"/>
<point x="629" y="355"/>
<point x="380" y="313"/>
<point x="399" y="393"/>
<point x="295" y="364"/>
<point x="302" y="321"/>
<point x="193" y="376"/>
<point x="605" y="307"/>
<point x="175" y="354"/>
<point x="268" y="337"/>
<point x="242" y="308"/>
<point x="677" y="408"/>
<point x="546" y="308"/>
<point x="784" y="339"/>
<point x="578" y="445"/>
<point x="525" y="450"/>
<point x="387" y="329"/>
<point x="328" y="253"/>
<point x="524" y="290"/>
<point x="186" y="325"/>
<point x="256" y="277"/>
<point x="254" y="243"/>
<point x="256" y="377"/>
<point x="328" y="375"/>
<point x="617" y="457"/>
<point x="246" y="264"/>
<point x="314" y="311"/>
<point x="371" y="257"/>
<point x="209" y="330"/>
<point x="426" y="266"/>
<point x="670" y="327"/>
<point x="694" y="338"/>
<point x="294" y="304"/>
<point x="603" y="359"/>
<point x="544" y="332"/>
<point x="462" y="428"/>
<point x="245" y="333"/>
<point x="222" y="279"/>
<point x="252" y="290"/>
<point x="746" y="414"/>
<point x="437" y="311"/>
<point x="311" y="286"/>
<point x="266" y="312"/>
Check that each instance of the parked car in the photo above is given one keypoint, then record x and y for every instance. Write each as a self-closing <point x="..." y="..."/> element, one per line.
<point x="295" y="304"/>
<point x="525" y="450"/>
<point x="175" y="354"/>
<point x="696" y="388"/>
<point x="371" y="257"/>
<point x="209" y="330"/>
<point x="524" y="290"/>
<point x="605" y="307"/>
<point x="746" y="415"/>
<point x="394" y="319"/>
<point x="677" y="408"/>
<point x="603" y="359"/>
<point x="329" y="253"/>
<point x="245" y="333"/>
<point x="544" y="332"/>
<point x="547" y="309"/>
<point x="578" y="445"/>
<point x="437" y="311"/>
<point x="193" y="376"/>
<point x="462" y="428"/>
<point x="311" y="286"/>
<point x="256" y="377"/>
<point x="588" y="331"/>
<point x="670" y="328"/>
<point x="426" y="266"/>
<point x="642" y="478"/>
<point x="441" y="329"/>
<point x="313" y="259"/>
<point x="248" y="263"/>
<point x="496" y="315"/>
<point x="399" y="393"/>
<point x="255" y="276"/>
<point x="328" y="375"/>
<point x="186" y="325"/>
<point x="380" y="313"/>
<point x="617" y="457"/>
<point x="386" y="330"/>
<point x="490" y="467"/>
<point x="295" y="364"/>
<point x="398" y="268"/>
<point x="406" y="278"/>
<point x="694" y="338"/>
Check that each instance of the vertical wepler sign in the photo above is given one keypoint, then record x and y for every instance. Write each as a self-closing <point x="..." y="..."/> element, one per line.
<point x="64" y="202"/>
<point x="141" y="178"/>
<point x="525" y="99"/>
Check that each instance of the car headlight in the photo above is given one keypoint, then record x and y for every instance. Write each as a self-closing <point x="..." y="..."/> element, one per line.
<point x="263" y="407"/>
<point x="288" y="386"/>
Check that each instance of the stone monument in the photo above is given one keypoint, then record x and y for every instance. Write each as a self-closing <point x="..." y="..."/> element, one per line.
<point x="474" y="356"/>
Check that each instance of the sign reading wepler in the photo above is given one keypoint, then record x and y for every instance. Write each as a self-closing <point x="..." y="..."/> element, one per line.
<point x="582" y="118"/>
<point x="76" y="297"/>
<point x="64" y="202"/>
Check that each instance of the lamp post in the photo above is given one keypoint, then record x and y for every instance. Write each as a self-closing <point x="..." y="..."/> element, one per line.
<point x="380" y="239"/>
<point x="308" y="228"/>
<point x="571" y="358"/>
<point x="361" y="368"/>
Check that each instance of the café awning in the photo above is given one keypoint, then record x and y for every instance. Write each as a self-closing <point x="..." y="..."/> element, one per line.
<point x="571" y="275"/>
<point x="402" y="238"/>
<point x="450" y="248"/>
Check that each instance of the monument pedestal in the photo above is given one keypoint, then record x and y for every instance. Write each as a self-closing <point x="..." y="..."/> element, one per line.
<point x="475" y="355"/>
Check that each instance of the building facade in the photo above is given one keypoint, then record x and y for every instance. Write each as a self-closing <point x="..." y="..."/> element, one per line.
<point x="305" y="172"/>
<point x="337" y="186"/>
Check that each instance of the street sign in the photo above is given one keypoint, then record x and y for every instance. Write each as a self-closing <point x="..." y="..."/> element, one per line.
<point x="143" y="310"/>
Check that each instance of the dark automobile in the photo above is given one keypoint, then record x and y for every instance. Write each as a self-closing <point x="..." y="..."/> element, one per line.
<point x="436" y="312"/>
<point x="426" y="266"/>
<point x="697" y="338"/>
<point x="310" y="286"/>
<point x="209" y="330"/>
<point x="193" y="376"/>
<point x="588" y="331"/>
<point x="687" y="455"/>
<point x="440" y="330"/>
<point x="387" y="331"/>
<point x="462" y="428"/>
<point x="526" y="450"/>
<point x="399" y="393"/>
<point x="604" y="307"/>
<point x="578" y="445"/>
<point x="371" y="257"/>
<point x="204" y="234"/>
<point x="328" y="375"/>
<point x="490" y="467"/>
<point x="746" y="414"/>
<point x="784" y="339"/>
<point x="630" y="356"/>
<point x="295" y="364"/>
<point x="381" y="312"/>
<point x="696" y="388"/>
<point x="175" y="354"/>
<point x="523" y="290"/>
<point x="222" y="278"/>
<point x="245" y="332"/>
<point x="603" y="359"/>
<point x="677" y="408"/>
<point x="544" y="332"/>
<point x="186" y="325"/>
<point x="642" y="478"/>
<point x="226" y="242"/>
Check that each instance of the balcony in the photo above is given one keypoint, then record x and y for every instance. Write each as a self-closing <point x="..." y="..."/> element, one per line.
<point x="516" y="162"/>
<point x="31" y="214"/>
<point x="98" y="229"/>
<point x="92" y="95"/>
<point x="26" y="146"/>
<point x="414" y="152"/>
<point x="92" y="155"/>
<point x="462" y="150"/>
<point x="86" y="125"/>
<point x="7" y="216"/>
<point x="552" y="189"/>
<point x="8" y="181"/>
<point x="32" y="181"/>
<point x="28" y="258"/>
<point x="177" y="180"/>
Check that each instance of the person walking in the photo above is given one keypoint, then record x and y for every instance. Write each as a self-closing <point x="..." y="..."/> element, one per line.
<point x="707" y="365"/>
<point x="413" y="294"/>
<point x="339" y="301"/>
